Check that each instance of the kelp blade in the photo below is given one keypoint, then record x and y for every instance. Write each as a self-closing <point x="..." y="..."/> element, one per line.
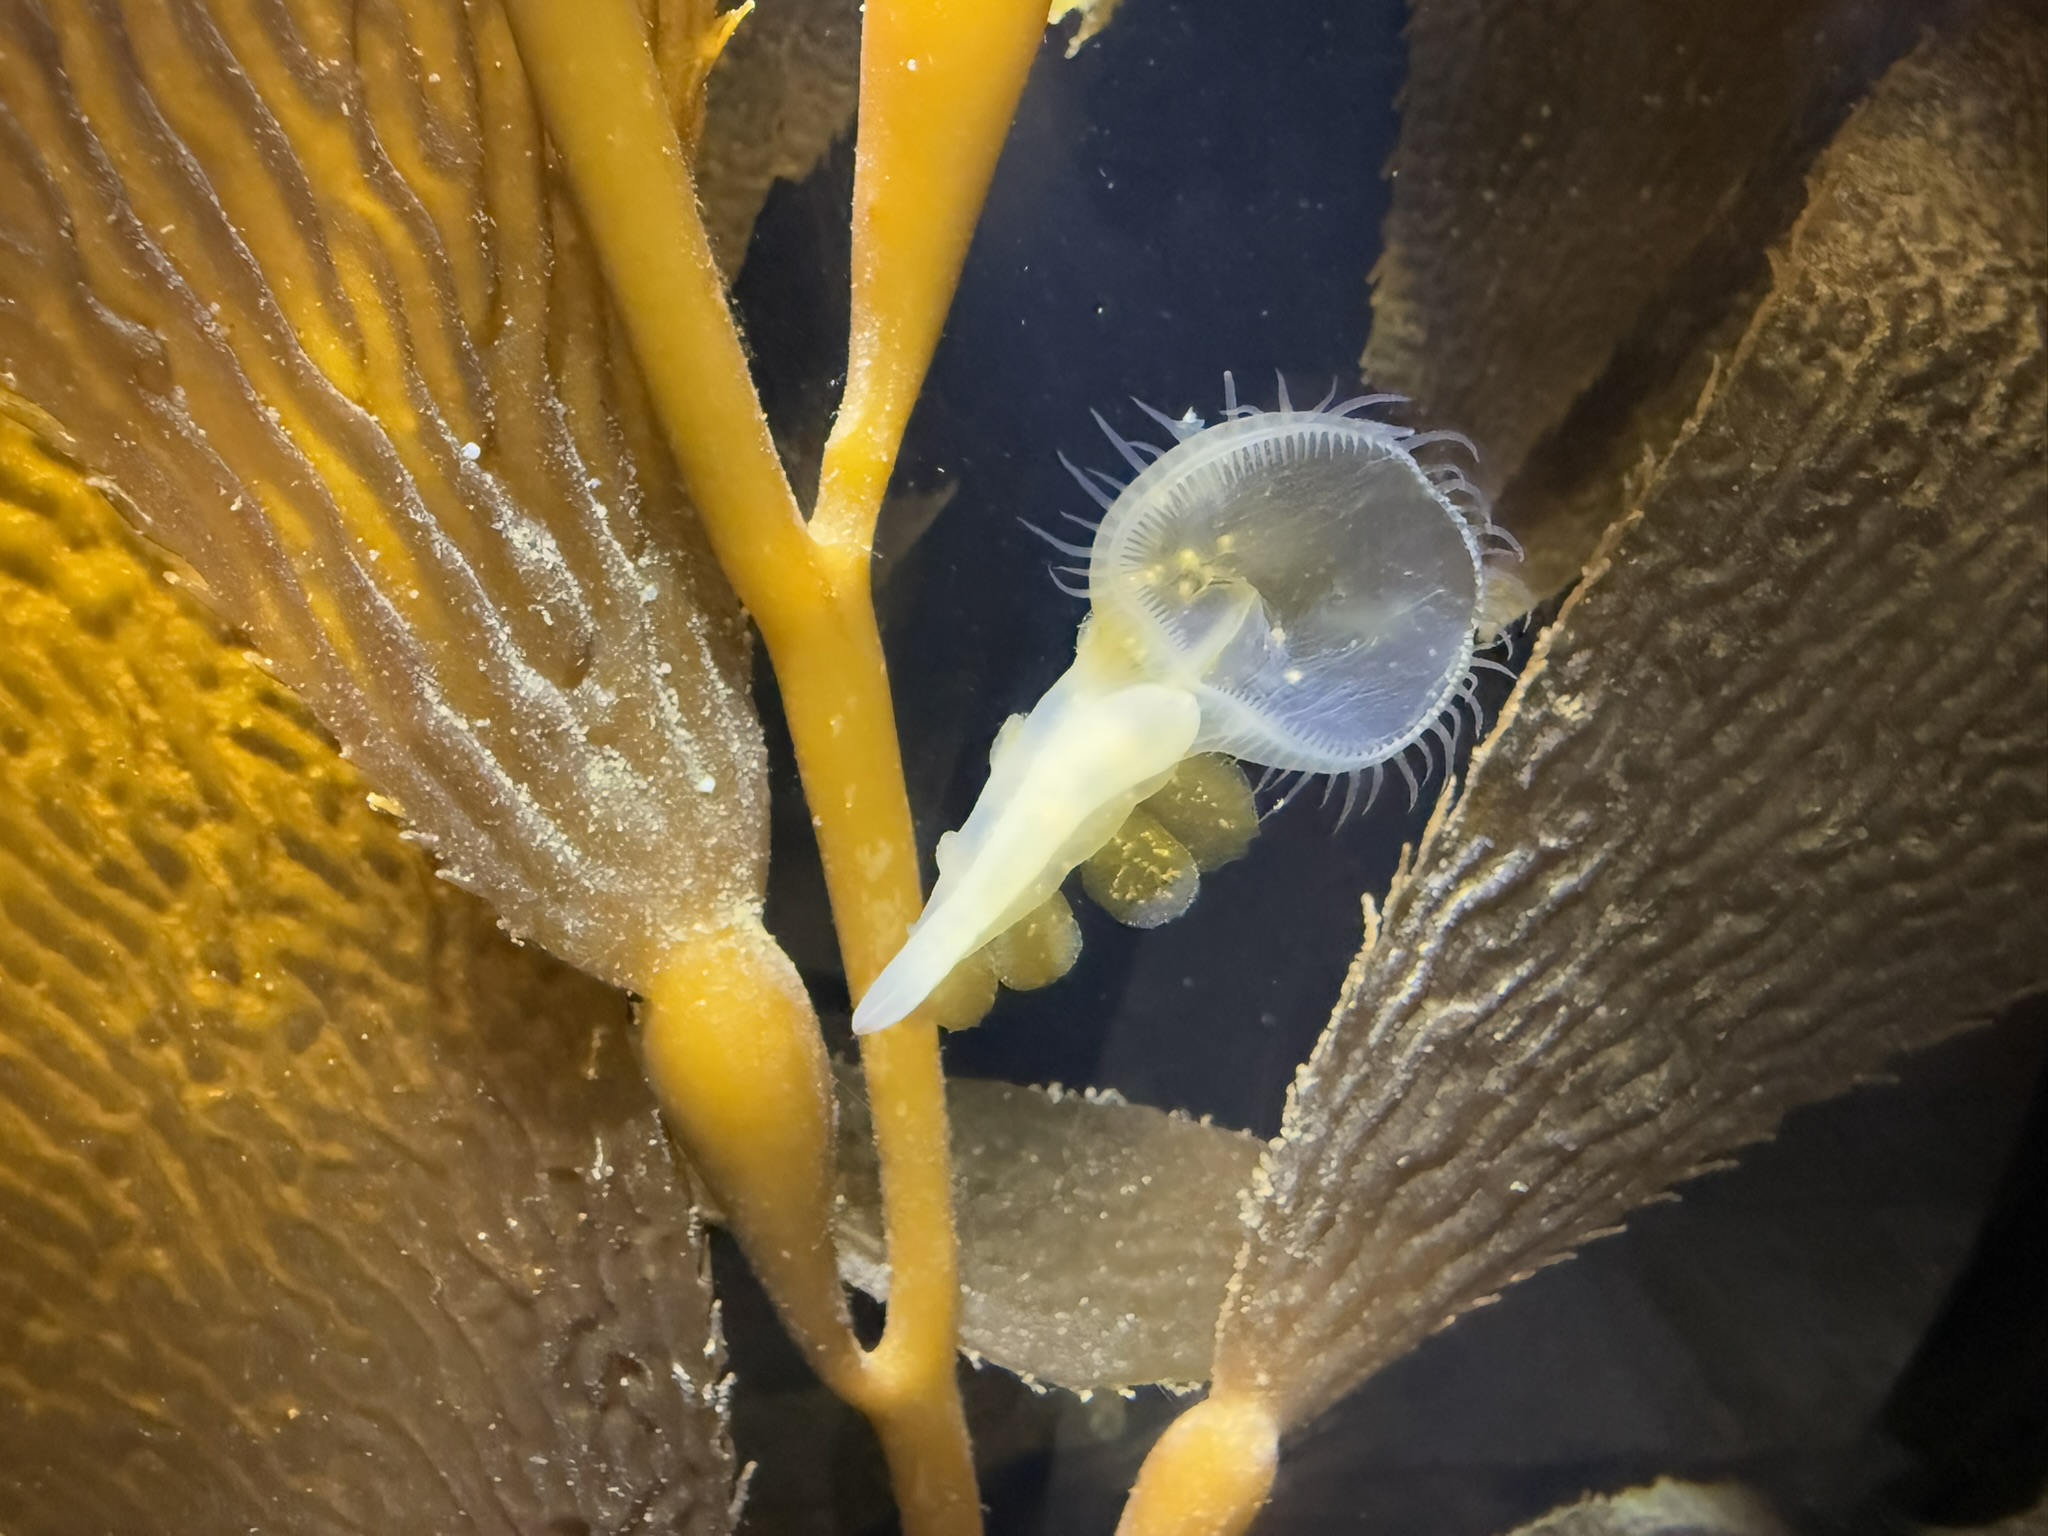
<point x="1771" y="805"/>
<point x="324" y="1207"/>
<point x="303" y="289"/>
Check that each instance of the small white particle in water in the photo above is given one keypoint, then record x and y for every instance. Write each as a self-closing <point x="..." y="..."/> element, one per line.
<point x="663" y="668"/>
<point x="472" y="452"/>
<point x="1292" y="674"/>
<point x="433" y="79"/>
<point x="911" y="65"/>
<point x="706" y="784"/>
<point x="649" y="593"/>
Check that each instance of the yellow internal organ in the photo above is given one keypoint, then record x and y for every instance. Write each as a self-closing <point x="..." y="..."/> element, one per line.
<point x="1208" y="805"/>
<point x="139" y="822"/>
<point x="1040" y="949"/>
<point x="1150" y="872"/>
<point x="964" y="998"/>
<point x="1034" y="952"/>
<point x="1143" y="875"/>
<point x="265" y="1085"/>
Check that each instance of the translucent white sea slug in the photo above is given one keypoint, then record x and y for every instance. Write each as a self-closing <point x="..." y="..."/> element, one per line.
<point x="1293" y="587"/>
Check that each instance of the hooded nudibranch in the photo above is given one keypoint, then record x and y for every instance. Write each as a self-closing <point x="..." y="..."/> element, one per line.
<point x="1292" y="587"/>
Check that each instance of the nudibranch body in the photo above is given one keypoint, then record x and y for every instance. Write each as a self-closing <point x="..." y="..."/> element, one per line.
<point x="1292" y="587"/>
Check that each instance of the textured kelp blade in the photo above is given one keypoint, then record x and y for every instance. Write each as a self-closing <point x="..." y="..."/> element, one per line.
<point x="1581" y="190"/>
<point x="784" y="90"/>
<point x="1771" y="805"/>
<point x="1665" y="1508"/>
<point x="1096" y="1236"/>
<point x="323" y="1207"/>
<point x="302" y="288"/>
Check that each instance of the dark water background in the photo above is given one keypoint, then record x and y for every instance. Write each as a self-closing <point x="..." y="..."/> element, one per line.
<point x="1200" y="189"/>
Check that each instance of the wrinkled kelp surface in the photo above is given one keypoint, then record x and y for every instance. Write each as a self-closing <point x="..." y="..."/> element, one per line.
<point x="1665" y="1508"/>
<point x="1096" y="1236"/>
<point x="1608" y="176"/>
<point x="323" y="1207"/>
<point x="1769" y="806"/>
<point x="306" y="292"/>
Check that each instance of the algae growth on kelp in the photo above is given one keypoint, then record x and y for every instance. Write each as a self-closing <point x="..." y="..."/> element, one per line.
<point x="328" y="1208"/>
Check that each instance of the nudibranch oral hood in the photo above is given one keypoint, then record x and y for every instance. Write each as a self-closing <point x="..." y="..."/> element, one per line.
<point x="1293" y="587"/>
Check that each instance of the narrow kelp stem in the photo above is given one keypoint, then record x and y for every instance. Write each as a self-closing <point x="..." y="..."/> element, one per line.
<point x="939" y="85"/>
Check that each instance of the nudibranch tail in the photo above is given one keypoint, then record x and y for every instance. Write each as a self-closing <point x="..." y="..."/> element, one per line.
<point x="1061" y="781"/>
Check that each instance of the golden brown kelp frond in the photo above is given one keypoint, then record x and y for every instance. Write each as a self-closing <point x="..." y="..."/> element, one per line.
<point x="1771" y="805"/>
<point x="784" y="90"/>
<point x="323" y="1207"/>
<point x="301" y="287"/>
<point x="1095" y="1236"/>
<point x="1582" y="190"/>
<point x="1150" y="871"/>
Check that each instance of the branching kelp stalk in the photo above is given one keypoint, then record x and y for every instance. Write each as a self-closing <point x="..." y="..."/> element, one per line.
<point x="730" y="1039"/>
